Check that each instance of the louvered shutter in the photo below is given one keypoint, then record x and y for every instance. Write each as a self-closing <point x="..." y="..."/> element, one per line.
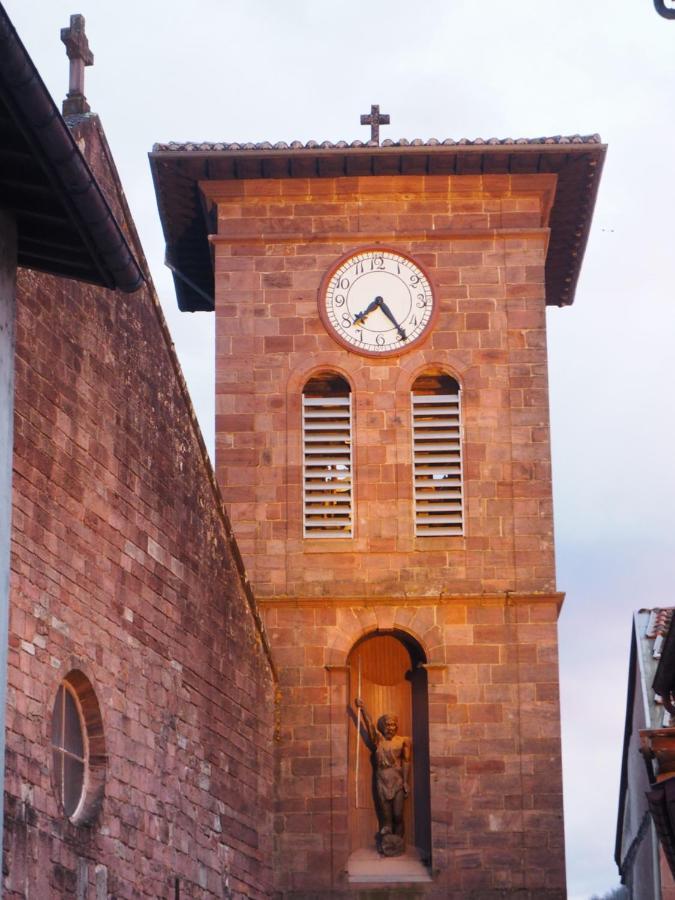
<point x="437" y="464"/>
<point x="327" y="466"/>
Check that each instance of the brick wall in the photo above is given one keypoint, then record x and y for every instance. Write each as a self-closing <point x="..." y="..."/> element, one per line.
<point x="483" y="242"/>
<point x="123" y="568"/>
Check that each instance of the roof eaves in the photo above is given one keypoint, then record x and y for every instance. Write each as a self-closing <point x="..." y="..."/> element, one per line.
<point x="178" y="167"/>
<point x="43" y="128"/>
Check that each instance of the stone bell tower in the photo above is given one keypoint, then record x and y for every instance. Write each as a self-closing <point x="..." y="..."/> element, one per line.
<point x="383" y="451"/>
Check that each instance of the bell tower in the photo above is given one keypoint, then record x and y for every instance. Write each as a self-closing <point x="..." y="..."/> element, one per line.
<point x="382" y="448"/>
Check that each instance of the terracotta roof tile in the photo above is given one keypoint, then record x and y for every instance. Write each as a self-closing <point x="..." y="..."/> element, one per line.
<point x="659" y="622"/>
<point x="206" y="146"/>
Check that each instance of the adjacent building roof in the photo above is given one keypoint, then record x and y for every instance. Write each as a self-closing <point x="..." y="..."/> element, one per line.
<point x="652" y="675"/>
<point x="177" y="169"/>
<point x="65" y="225"/>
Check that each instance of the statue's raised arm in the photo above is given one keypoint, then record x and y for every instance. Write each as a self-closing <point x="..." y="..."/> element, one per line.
<point x="373" y="733"/>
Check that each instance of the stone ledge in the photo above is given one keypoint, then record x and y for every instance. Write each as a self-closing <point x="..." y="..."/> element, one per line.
<point x="367" y="866"/>
<point x="505" y="598"/>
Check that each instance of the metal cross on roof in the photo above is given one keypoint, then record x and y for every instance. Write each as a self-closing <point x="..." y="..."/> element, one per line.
<point x="375" y="119"/>
<point x="79" y="54"/>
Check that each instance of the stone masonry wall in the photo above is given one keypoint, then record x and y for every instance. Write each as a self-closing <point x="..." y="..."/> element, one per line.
<point x="481" y="606"/>
<point x="494" y="740"/>
<point x="482" y="240"/>
<point x="123" y="567"/>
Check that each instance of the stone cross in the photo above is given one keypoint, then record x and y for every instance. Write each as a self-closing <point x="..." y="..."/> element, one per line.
<point x="79" y="54"/>
<point x="375" y="119"/>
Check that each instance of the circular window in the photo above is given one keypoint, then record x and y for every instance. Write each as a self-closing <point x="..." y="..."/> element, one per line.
<point x="78" y="749"/>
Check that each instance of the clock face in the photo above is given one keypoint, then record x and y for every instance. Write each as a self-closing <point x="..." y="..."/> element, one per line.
<point x="377" y="302"/>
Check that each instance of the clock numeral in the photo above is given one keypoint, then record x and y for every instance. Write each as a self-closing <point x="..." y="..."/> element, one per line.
<point x="398" y="269"/>
<point x="359" y="334"/>
<point x="414" y="279"/>
<point x="379" y="340"/>
<point x="339" y="300"/>
<point x="346" y="321"/>
<point x="421" y="301"/>
<point x="377" y="262"/>
<point x="413" y="322"/>
<point x="344" y="283"/>
<point x="358" y="267"/>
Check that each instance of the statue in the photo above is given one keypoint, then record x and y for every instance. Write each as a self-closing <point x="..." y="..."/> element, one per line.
<point x="391" y="762"/>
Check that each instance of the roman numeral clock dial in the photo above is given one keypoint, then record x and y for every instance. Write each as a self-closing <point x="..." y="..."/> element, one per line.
<point x="377" y="302"/>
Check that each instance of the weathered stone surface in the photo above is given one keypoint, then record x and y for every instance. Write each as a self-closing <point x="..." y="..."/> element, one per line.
<point x="122" y="566"/>
<point x="276" y="240"/>
<point x="482" y="605"/>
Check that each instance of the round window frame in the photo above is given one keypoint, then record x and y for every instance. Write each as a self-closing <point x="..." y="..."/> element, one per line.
<point x="90" y="719"/>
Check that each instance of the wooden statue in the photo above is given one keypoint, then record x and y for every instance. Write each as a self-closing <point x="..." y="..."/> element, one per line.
<point x="391" y="762"/>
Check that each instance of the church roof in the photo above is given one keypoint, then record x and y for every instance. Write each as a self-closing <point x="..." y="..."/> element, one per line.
<point x="177" y="169"/>
<point x="64" y="223"/>
<point x="192" y="146"/>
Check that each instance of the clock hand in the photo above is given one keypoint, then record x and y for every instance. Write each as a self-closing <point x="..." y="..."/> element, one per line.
<point x="388" y="313"/>
<point x="361" y="317"/>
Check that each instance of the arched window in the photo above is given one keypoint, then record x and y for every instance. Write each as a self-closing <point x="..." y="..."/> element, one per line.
<point x="328" y="509"/>
<point x="78" y="748"/>
<point x="437" y="455"/>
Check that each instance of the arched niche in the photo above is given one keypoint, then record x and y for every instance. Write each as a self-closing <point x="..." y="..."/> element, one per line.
<point x="387" y="669"/>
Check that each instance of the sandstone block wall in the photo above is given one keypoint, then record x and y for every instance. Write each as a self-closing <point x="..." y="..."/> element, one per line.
<point x="482" y="240"/>
<point x="481" y="606"/>
<point x="494" y="742"/>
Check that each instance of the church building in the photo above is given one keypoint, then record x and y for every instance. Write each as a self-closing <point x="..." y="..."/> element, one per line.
<point x="329" y="667"/>
<point x="139" y="714"/>
<point x="382" y="448"/>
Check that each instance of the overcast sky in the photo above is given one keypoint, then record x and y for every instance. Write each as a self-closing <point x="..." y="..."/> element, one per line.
<point x="252" y="70"/>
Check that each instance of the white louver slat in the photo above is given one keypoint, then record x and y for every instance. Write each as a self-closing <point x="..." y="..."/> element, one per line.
<point x="437" y="464"/>
<point x="327" y="466"/>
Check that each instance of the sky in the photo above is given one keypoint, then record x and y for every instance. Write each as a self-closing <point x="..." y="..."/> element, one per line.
<point x="254" y="70"/>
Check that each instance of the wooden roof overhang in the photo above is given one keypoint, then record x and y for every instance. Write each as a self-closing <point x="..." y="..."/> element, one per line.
<point x="177" y="170"/>
<point x="64" y="223"/>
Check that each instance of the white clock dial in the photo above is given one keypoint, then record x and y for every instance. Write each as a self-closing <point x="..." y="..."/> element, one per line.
<point x="377" y="302"/>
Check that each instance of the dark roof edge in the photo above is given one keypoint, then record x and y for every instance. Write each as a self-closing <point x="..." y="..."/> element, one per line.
<point x="580" y="251"/>
<point x="36" y="114"/>
<point x="628" y="728"/>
